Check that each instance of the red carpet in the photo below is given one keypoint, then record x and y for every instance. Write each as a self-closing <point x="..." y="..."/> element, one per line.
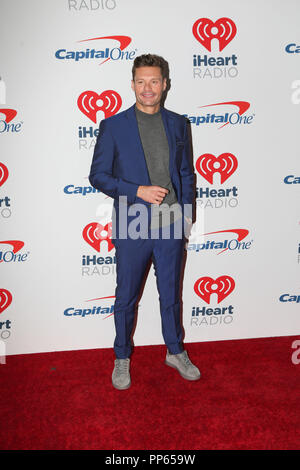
<point x="247" y="398"/>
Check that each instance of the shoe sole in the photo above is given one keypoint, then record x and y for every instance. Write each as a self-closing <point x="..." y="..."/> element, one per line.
<point x="182" y="375"/>
<point x="121" y="388"/>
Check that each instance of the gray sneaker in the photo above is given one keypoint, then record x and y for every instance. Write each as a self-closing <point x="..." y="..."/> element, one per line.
<point x="182" y="363"/>
<point x="121" y="376"/>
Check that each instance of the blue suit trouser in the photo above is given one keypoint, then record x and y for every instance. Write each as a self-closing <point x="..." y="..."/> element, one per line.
<point x="132" y="257"/>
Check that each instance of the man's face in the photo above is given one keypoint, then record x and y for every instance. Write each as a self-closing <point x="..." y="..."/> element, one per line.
<point x="148" y="86"/>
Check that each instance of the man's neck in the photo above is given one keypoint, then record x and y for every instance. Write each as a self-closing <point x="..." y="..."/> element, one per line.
<point x="148" y="109"/>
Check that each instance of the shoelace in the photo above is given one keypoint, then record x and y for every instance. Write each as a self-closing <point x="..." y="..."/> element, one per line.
<point x="186" y="359"/>
<point x="122" y="366"/>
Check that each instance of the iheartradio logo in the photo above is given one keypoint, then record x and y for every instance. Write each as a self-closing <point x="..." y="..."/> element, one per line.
<point x="5" y="299"/>
<point x="3" y="173"/>
<point x="205" y="30"/>
<point x="94" y="234"/>
<point x="225" y="164"/>
<point x="222" y="286"/>
<point x="90" y="102"/>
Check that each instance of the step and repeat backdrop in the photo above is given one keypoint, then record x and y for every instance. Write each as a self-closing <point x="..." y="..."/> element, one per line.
<point x="235" y="74"/>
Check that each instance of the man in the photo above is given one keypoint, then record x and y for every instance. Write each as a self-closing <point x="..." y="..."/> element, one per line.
<point x="142" y="155"/>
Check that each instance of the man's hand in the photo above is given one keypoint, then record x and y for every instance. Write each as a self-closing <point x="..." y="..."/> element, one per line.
<point x="153" y="194"/>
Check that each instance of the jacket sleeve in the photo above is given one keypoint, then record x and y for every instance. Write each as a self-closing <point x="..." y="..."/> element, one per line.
<point x="101" y="173"/>
<point x="187" y="175"/>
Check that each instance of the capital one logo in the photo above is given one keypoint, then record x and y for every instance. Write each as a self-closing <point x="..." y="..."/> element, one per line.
<point x="5" y="124"/>
<point x="222" y="286"/>
<point x="5" y="299"/>
<point x="235" y="118"/>
<point x="106" y="53"/>
<point x="225" y="164"/>
<point x="240" y="232"/>
<point x="94" y="234"/>
<point x="205" y="30"/>
<point x="7" y="256"/>
<point x="90" y="102"/>
<point x="95" y="310"/>
<point x="3" y="173"/>
<point x="9" y="114"/>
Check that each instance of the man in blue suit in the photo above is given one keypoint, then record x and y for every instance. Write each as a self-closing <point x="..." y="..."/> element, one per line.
<point x="142" y="159"/>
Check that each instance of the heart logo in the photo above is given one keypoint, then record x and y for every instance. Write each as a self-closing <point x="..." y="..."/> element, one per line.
<point x="3" y="173"/>
<point x="204" y="30"/>
<point x="205" y="286"/>
<point x="94" y="234"/>
<point x="225" y="164"/>
<point x="89" y="103"/>
<point x="5" y="299"/>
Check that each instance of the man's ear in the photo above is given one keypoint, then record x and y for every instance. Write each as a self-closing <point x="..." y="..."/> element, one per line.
<point x="132" y="85"/>
<point x="164" y="84"/>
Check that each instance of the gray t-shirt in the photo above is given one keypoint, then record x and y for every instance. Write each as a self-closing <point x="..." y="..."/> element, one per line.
<point x="156" y="150"/>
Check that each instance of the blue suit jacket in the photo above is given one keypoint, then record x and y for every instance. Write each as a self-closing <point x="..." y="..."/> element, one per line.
<point x="119" y="166"/>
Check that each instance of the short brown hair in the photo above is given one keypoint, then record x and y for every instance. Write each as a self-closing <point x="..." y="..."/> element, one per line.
<point x="151" y="60"/>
